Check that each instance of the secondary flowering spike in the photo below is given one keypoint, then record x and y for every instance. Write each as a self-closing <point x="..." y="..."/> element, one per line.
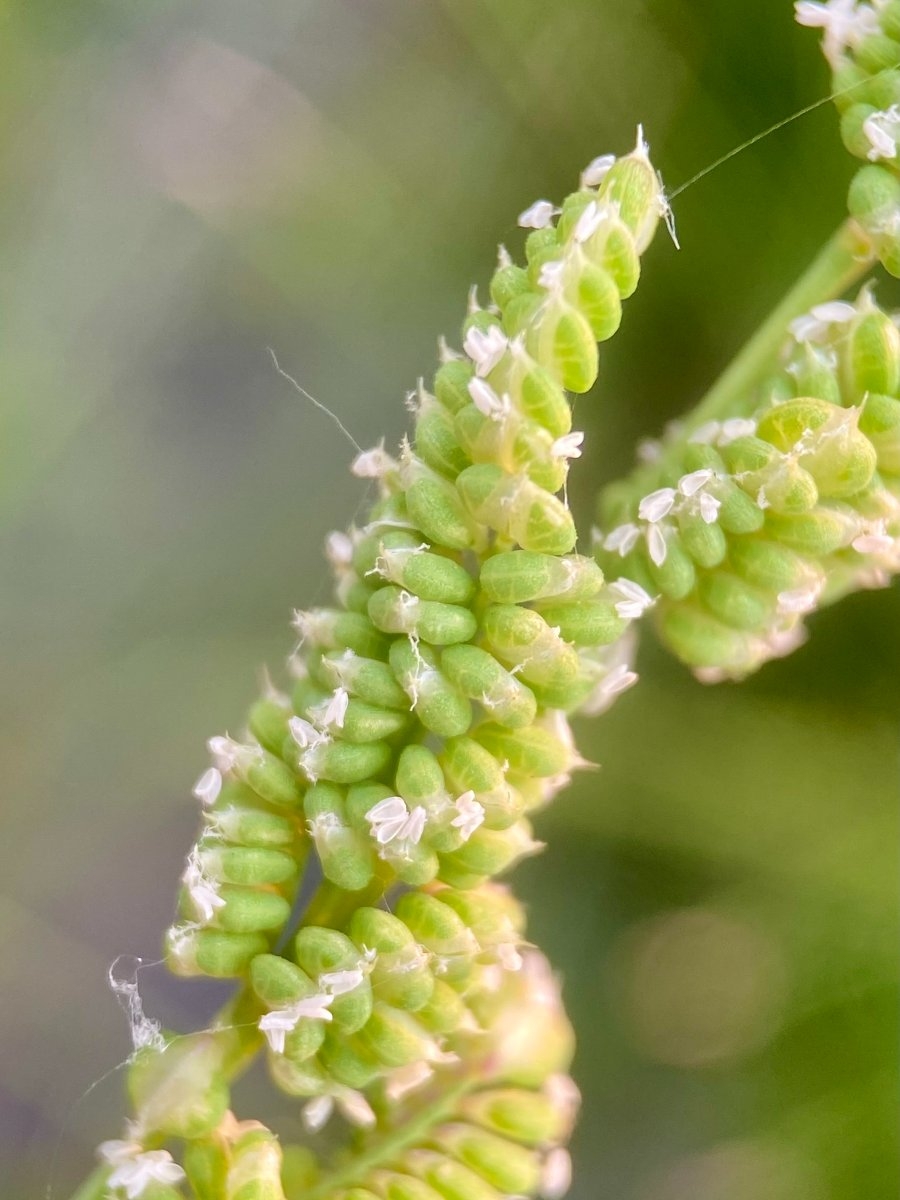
<point x="774" y="515"/>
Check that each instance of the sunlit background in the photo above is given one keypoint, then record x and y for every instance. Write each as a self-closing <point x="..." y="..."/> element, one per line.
<point x="187" y="185"/>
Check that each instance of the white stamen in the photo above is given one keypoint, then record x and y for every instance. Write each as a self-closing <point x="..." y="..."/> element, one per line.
<point x="485" y="348"/>
<point x="208" y="786"/>
<point x="338" y="983"/>
<point x="657" y="504"/>
<point x="623" y="538"/>
<point x="134" y="1168"/>
<point x="690" y="484"/>
<point x="276" y="1025"/>
<point x="633" y="600"/>
<point x="845" y="23"/>
<point x="882" y="129"/>
<point x="590" y="221"/>
<point x="556" y="1174"/>
<point x="595" y="172"/>
<point x="487" y="401"/>
<point x="469" y="815"/>
<point x="390" y="820"/>
<point x="537" y="215"/>
<point x="551" y="273"/>
<point x="373" y="464"/>
<point x="568" y="446"/>
<point x="656" y="545"/>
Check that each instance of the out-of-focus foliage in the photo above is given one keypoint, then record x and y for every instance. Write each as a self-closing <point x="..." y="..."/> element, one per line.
<point x="187" y="185"/>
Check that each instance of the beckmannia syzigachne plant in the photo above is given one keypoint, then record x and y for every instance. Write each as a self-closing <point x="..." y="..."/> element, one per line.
<point x="425" y="718"/>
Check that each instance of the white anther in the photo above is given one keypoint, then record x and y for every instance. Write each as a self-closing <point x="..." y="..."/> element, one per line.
<point x="622" y="539"/>
<point x="551" y="274"/>
<point x="373" y="464"/>
<point x="815" y="325"/>
<point x="208" y="786"/>
<point x="537" y="215"/>
<point x="556" y="1174"/>
<point x="469" y="815"/>
<point x="657" y="505"/>
<point x="134" y="1169"/>
<point x="276" y="1025"/>
<point x="390" y="820"/>
<point x="487" y="401"/>
<point x="305" y="733"/>
<point x="690" y="484"/>
<point x="590" y="221"/>
<point x="485" y="347"/>
<point x="845" y="23"/>
<point x="657" y="546"/>
<point x="632" y="600"/>
<point x="568" y="446"/>
<point x="595" y="172"/>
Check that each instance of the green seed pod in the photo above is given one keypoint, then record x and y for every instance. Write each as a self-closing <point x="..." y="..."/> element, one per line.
<point x="784" y="425"/>
<point x="250" y="826"/>
<point x="814" y="375"/>
<point x="354" y="594"/>
<point x="534" y="751"/>
<point x="815" y="534"/>
<point x="706" y="544"/>
<point x="479" y="676"/>
<point x="501" y="1163"/>
<point x="369" y="723"/>
<point x="250" y="865"/>
<point x="346" y="854"/>
<point x="306" y="1078"/>
<point x="612" y="247"/>
<point x="874" y="197"/>
<point x="343" y="762"/>
<point x="249" y="910"/>
<point x="538" y="240"/>
<point x="368" y="550"/>
<point x="451" y="383"/>
<point x="255" y="1169"/>
<point x="698" y="456"/>
<point x="394" y="610"/>
<point x="268" y="721"/>
<point x="488" y="852"/>
<point x="435" y="507"/>
<point x="428" y="576"/>
<point x="335" y="962"/>
<point x="332" y="629"/>
<point x="440" y="706"/>
<point x="849" y="82"/>
<point x="872" y="358"/>
<point x="348" y="1061"/>
<point x="492" y="913"/>
<point x="842" y="463"/>
<point x="597" y="298"/>
<point x="537" y="393"/>
<point x="525" y="1116"/>
<point x="419" y="778"/>
<point x="523" y="639"/>
<point x="675" y="576"/>
<point x="179" y="1090"/>
<point x="469" y="767"/>
<point x="745" y="454"/>
<point x="211" y="951"/>
<point x="451" y="1180"/>
<point x="520" y="576"/>
<point x="508" y="282"/>
<point x="441" y="931"/>
<point x="404" y="1187"/>
<point x="735" y="602"/>
<point x="370" y="680"/>
<point x="853" y="134"/>
<point x="445" y="1011"/>
<point x="561" y="340"/>
<point x="206" y="1166"/>
<point x="537" y="262"/>
<point x="703" y="642"/>
<point x="738" y="512"/>
<point x="400" y="974"/>
<point x="586" y="622"/>
<point x="517" y="509"/>
<point x="877" y="52"/>
<point x="880" y="414"/>
<point x="271" y="779"/>
<point x="395" y="1038"/>
<point x="785" y="487"/>
<point x="633" y="185"/>
<point x="279" y="983"/>
<point x="300" y="1170"/>
<point x="889" y="18"/>
<point x="766" y="564"/>
<point x="436" y="442"/>
<point x="520" y="313"/>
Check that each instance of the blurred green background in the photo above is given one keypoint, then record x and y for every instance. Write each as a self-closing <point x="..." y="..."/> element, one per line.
<point x="187" y="184"/>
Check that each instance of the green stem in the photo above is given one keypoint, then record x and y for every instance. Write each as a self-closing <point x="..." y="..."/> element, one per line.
<point x="388" y="1147"/>
<point x="841" y="262"/>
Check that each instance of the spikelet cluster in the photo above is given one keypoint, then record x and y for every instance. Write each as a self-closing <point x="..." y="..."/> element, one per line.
<point x="742" y="527"/>
<point x="426" y="721"/>
<point x="861" y="42"/>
